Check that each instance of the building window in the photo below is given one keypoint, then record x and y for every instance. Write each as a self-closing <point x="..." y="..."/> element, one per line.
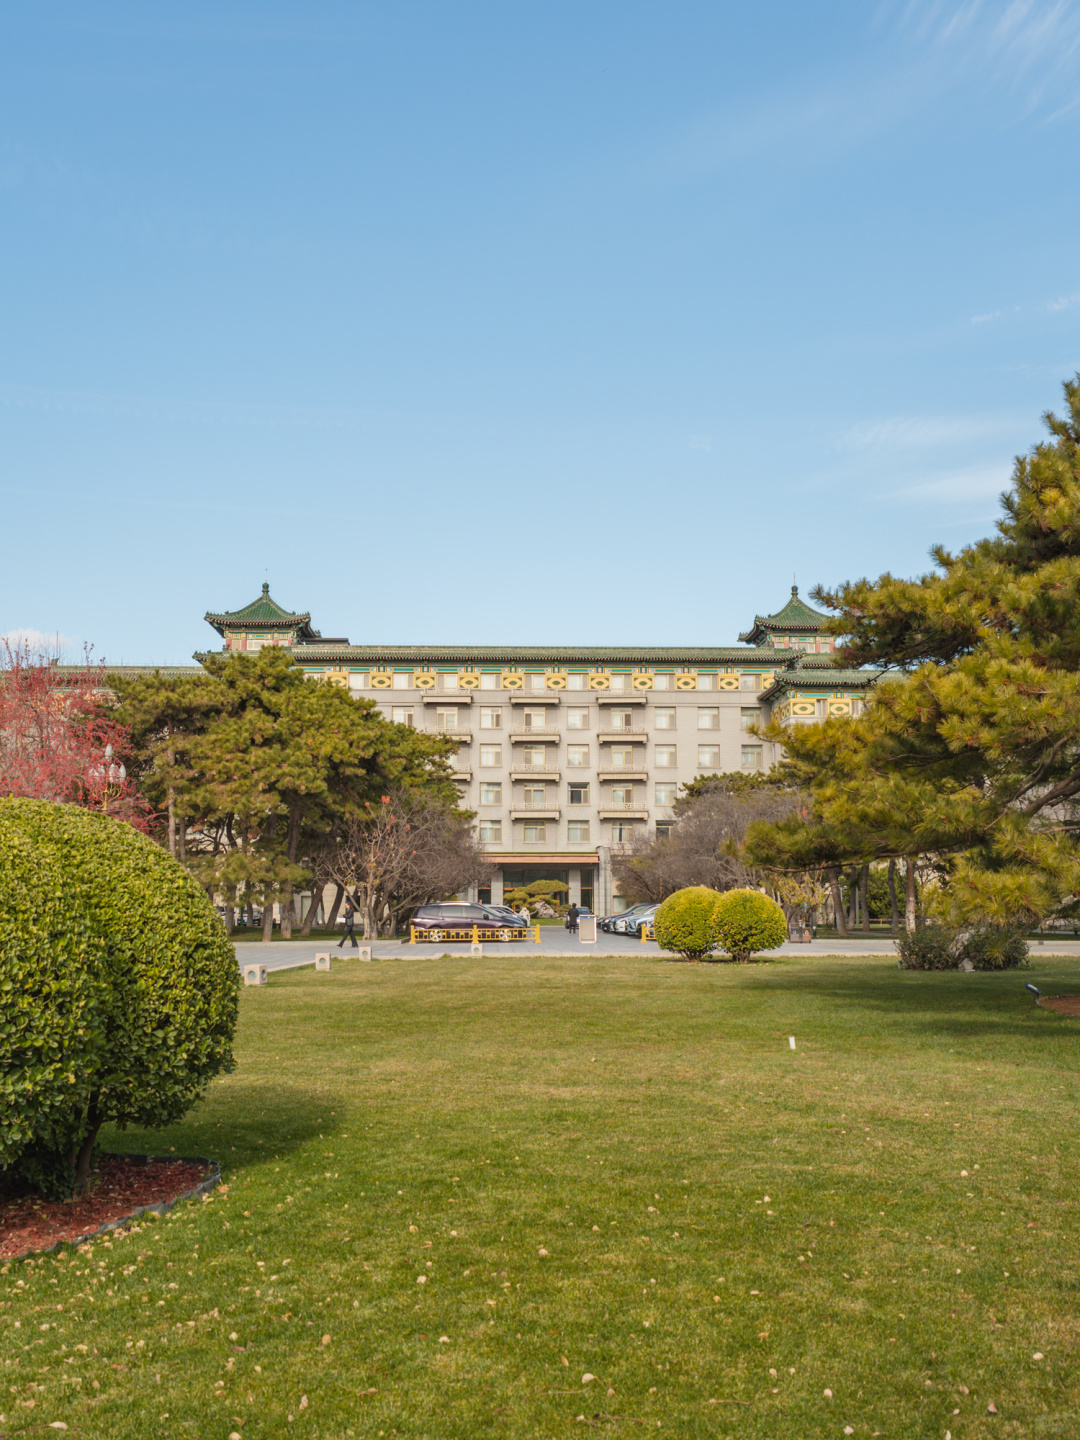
<point x="622" y="757"/>
<point x="490" y="717"/>
<point x="403" y="679"/>
<point x="489" y="682"/>
<point x="533" y="755"/>
<point x="666" y="757"/>
<point x="448" y="681"/>
<point x="622" y="795"/>
<point x="446" y="719"/>
<point x="663" y="829"/>
<point x="662" y="682"/>
<point x="749" y="682"/>
<point x="358" y="680"/>
<point x="577" y="832"/>
<point x="622" y="719"/>
<point x="401" y="714"/>
<point x="579" y="795"/>
<point x="748" y="717"/>
<point x="577" y="757"/>
<point x="491" y="832"/>
<point x="856" y="705"/>
<point x="665" y="717"/>
<point x="575" y="682"/>
<point x="577" y="717"/>
<point x="708" y="717"/>
<point x="620" y="682"/>
<point x="821" y="709"/>
<point x="708" y="757"/>
<point x="490" y="756"/>
<point x="751" y="757"/>
<point x="535" y="832"/>
<point x="621" y="831"/>
<point x="535" y="796"/>
<point x="665" y="794"/>
<point x="534" y="719"/>
<point x="490" y="793"/>
<point x="706" y="682"/>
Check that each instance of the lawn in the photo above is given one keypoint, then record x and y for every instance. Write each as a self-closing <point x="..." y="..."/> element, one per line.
<point x="459" y="1188"/>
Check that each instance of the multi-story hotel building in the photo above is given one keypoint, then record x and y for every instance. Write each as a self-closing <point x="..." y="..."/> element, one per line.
<point x="564" y="752"/>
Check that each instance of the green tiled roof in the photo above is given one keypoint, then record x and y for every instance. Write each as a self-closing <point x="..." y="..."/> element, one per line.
<point x="805" y="672"/>
<point x="264" y="611"/>
<point x="538" y="655"/>
<point x="796" y="615"/>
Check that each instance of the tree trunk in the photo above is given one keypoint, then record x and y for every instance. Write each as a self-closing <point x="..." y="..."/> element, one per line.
<point x="894" y="909"/>
<point x="864" y="897"/>
<point x="371" y="928"/>
<point x="312" y="911"/>
<point x="838" y="904"/>
<point x="230" y="917"/>
<point x="909" y="910"/>
<point x="85" y="1153"/>
<point x="181" y="839"/>
<point x="292" y="849"/>
<point x="339" y="895"/>
<point x="268" y="920"/>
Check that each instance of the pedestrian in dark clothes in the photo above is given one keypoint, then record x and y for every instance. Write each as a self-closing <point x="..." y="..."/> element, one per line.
<point x="350" y="924"/>
<point x="572" y="919"/>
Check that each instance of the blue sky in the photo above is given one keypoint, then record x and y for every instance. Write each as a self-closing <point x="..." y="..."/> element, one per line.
<point x="528" y="322"/>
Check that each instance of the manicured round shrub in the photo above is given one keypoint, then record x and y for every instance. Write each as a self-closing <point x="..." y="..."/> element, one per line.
<point x="746" y="921"/>
<point x="160" y="968"/>
<point x="684" y="922"/>
<point x="52" y="965"/>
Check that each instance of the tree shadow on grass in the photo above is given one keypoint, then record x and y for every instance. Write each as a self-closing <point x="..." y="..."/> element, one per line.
<point x="948" y="1005"/>
<point x="240" y="1123"/>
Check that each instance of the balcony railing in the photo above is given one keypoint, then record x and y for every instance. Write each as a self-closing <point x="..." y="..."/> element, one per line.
<point x="534" y="732"/>
<point x="620" y="732"/>
<point x="534" y="769"/>
<point x="526" y="804"/>
<point x="622" y="764"/>
<point x="451" y="734"/>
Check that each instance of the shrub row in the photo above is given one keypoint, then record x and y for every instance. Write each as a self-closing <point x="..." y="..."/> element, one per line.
<point x="935" y="946"/>
<point x="697" y="921"/>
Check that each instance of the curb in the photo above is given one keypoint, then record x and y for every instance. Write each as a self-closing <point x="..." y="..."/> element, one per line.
<point x="159" y="1207"/>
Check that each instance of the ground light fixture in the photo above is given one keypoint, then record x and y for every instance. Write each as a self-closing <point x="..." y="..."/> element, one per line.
<point x="1034" y="990"/>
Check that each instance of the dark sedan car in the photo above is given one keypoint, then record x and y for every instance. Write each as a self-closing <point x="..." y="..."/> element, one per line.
<point x="454" y="920"/>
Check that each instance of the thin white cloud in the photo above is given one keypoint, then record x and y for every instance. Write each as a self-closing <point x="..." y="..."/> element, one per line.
<point x="36" y="641"/>
<point x="1063" y="302"/>
<point x="923" y="432"/>
<point x="985" y="319"/>
<point x="959" y="487"/>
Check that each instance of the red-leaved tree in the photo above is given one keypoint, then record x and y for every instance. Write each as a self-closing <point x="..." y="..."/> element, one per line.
<point x="57" y="739"/>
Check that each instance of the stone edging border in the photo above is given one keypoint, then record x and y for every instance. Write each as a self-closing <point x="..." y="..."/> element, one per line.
<point x="159" y="1207"/>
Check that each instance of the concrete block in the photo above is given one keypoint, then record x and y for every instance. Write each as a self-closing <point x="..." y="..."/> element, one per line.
<point x="476" y="947"/>
<point x="322" y="962"/>
<point x="254" y="974"/>
<point x="364" y="952"/>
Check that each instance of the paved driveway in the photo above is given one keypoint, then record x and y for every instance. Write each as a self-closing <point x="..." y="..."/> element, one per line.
<point x="554" y="940"/>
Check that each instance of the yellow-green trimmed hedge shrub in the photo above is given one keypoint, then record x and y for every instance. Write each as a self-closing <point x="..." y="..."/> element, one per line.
<point x="684" y="922"/>
<point x="164" y="974"/>
<point x="52" y="969"/>
<point x="746" y="921"/>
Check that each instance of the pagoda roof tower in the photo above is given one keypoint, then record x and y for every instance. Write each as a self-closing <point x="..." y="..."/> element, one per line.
<point x="264" y="618"/>
<point x="795" y="619"/>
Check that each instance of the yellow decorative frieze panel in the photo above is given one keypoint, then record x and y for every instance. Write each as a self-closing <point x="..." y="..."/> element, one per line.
<point x="512" y="680"/>
<point x="424" y="680"/>
<point x="469" y="680"/>
<point x="642" y="682"/>
<point x="382" y="680"/>
<point x="556" y="680"/>
<point x="685" y="682"/>
<point x="727" y="682"/>
<point x="839" y="707"/>
<point x="599" y="682"/>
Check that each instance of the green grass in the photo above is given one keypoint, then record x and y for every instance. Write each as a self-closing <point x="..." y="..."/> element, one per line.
<point x="450" y="1118"/>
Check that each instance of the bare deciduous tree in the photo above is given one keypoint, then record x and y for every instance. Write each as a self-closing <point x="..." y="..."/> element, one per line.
<point x="703" y="847"/>
<point x="401" y="853"/>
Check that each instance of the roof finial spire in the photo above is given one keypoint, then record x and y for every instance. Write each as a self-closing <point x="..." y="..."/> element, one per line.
<point x="266" y="584"/>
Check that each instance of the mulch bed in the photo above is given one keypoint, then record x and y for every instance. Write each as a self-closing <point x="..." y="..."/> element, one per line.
<point x="119" y="1186"/>
<point x="1063" y="1004"/>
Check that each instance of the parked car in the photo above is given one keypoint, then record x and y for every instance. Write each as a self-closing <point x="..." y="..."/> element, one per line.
<point x="455" y="919"/>
<point x="642" y="921"/>
<point x="625" y="921"/>
<point x="607" y="922"/>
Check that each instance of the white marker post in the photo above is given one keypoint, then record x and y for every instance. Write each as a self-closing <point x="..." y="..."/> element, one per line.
<point x="791" y="1041"/>
<point x="586" y="929"/>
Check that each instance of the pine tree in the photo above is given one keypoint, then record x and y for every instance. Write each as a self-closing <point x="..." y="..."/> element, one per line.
<point x="970" y="749"/>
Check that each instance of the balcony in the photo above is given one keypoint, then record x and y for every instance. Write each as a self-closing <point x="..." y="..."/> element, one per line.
<point x="608" y="733"/>
<point x="623" y="812"/>
<point x="519" y="810"/>
<point x="528" y="771"/>
<point x="607" y="697"/>
<point x="607" y="771"/>
<point x="463" y="735"/>
<point x="534" y="732"/>
<point x="534" y="697"/>
<point x="446" y="697"/>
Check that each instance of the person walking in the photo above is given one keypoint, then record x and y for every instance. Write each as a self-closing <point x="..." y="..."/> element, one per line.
<point x="572" y="919"/>
<point x="349" y="933"/>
